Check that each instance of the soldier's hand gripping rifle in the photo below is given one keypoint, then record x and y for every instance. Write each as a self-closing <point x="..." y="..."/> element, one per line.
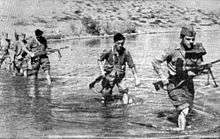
<point x="206" y="69"/>
<point x="160" y="85"/>
<point x="198" y="70"/>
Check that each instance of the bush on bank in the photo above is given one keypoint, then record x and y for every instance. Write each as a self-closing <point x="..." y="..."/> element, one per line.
<point x="88" y="25"/>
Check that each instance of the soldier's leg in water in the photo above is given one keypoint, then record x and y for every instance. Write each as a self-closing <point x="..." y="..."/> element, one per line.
<point x="25" y="66"/>
<point x="123" y="90"/>
<point x="13" y="68"/>
<point x="48" y="77"/>
<point x="45" y="64"/>
<point x="17" y="67"/>
<point x="1" y="63"/>
<point x="33" y="73"/>
<point x="32" y="79"/>
<point x="177" y="97"/>
<point x="182" y="119"/>
<point x="20" y="70"/>
<point x="25" y="72"/>
<point x="106" y="95"/>
<point x="107" y="87"/>
<point x="2" y="58"/>
<point x="98" y="79"/>
<point x="125" y="97"/>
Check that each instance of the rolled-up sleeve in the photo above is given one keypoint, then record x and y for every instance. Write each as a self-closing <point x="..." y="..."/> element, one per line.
<point x="159" y="59"/>
<point x="129" y="60"/>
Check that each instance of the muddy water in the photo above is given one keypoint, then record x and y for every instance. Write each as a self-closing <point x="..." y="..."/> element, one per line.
<point x="69" y="109"/>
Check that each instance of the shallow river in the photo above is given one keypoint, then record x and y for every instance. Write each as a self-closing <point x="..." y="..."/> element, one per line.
<point x="69" y="109"/>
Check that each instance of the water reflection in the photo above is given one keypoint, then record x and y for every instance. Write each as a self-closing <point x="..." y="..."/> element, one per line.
<point x="41" y="108"/>
<point x="20" y="111"/>
<point x="113" y="121"/>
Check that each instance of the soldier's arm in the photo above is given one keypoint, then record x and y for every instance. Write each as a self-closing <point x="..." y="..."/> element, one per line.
<point x="134" y="72"/>
<point x="157" y="61"/>
<point x="25" y="49"/>
<point x="101" y="65"/>
<point x="132" y="66"/>
<point x="201" y="52"/>
<point x="102" y="60"/>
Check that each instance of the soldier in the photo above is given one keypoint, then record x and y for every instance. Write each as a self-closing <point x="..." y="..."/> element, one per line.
<point x="4" y="46"/>
<point x="179" y="82"/>
<point x="18" y="55"/>
<point x="36" y="47"/>
<point x="112" y="64"/>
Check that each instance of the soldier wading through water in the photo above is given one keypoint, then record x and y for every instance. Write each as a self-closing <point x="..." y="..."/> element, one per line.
<point x="112" y="64"/>
<point x="179" y="82"/>
<point x="5" y="43"/>
<point x="36" y="47"/>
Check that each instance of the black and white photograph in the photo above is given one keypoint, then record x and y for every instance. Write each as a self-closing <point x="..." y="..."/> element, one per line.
<point x="109" y="69"/>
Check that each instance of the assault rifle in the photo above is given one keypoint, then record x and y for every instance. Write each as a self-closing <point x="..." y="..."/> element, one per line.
<point x="199" y="70"/>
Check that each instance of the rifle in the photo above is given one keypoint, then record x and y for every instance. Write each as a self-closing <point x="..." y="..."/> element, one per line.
<point x="49" y="51"/>
<point x="200" y="69"/>
<point x="206" y="69"/>
<point x="160" y="85"/>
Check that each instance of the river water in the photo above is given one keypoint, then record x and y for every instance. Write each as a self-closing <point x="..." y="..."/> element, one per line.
<point x="69" y="109"/>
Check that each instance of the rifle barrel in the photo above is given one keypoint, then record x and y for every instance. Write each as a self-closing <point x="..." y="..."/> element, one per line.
<point x="216" y="61"/>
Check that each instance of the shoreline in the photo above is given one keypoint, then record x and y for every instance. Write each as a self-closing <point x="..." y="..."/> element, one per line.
<point x="82" y="19"/>
<point x="61" y="39"/>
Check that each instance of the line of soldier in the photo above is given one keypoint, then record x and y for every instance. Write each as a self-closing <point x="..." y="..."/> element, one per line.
<point x="179" y="84"/>
<point x="26" y="55"/>
<point x="112" y="63"/>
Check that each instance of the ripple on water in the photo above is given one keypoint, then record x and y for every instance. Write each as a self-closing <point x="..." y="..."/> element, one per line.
<point x="69" y="108"/>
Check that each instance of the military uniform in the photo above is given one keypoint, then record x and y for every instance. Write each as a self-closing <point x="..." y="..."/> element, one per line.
<point x="180" y="87"/>
<point x="19" y="56"/>
<point x="35" y="46"/>
<point x="4" y="46"/>
<point x="115" y="67"/>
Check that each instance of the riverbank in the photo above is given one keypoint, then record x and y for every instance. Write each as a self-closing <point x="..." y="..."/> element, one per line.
<point x="68" y="19"/>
